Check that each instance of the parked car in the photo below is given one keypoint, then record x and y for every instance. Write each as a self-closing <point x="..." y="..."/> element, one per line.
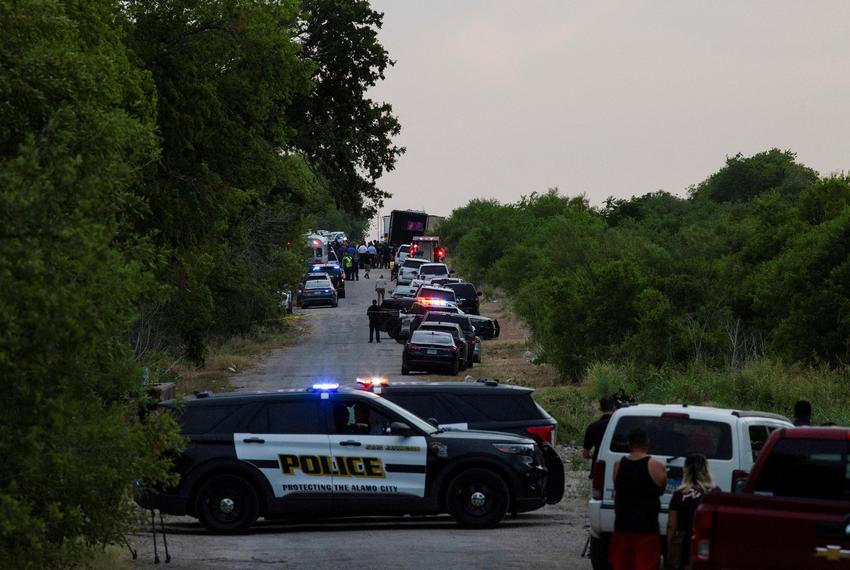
<point x="336" y="273"/>
<point x="482" y="405"/>
<point x="401" y="254"/>
<point x="428" y="271"/>
<point x="408" y="270"/>
<point x="428" y="351"/>
<point x="316" y="292"/>
<point x="464" y="349"/>
<point x="467" y="297"/>
<point x="432" y="293"/>
<point x="461" y="320"/>
<point x="334" y="452"/>
<point x="485" y="327"/>
<point x="792" y="513"/>
<point x="321" y="277"/>
<point x="730" y="439"/>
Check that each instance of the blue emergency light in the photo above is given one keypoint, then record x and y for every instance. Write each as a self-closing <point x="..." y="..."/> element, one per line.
<point x="325" y="386"/>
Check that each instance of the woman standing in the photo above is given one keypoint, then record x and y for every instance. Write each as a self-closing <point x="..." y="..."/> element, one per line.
<point x="696" y="482"/>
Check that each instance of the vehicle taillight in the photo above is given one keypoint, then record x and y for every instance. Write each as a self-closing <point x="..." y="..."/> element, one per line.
<point x="701" y="538"/>
<point x="413" y="346"/>
<point x="598" y="480"/>
<point x="543" y="433"/>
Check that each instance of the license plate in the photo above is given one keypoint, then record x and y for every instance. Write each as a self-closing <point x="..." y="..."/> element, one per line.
<point x="431" y="351"/>
<point x="672" y="485"/>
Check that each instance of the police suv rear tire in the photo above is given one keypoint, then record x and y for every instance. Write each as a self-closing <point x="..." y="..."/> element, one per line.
<point x="477" y="498"/>
<point x="227" y="503"/>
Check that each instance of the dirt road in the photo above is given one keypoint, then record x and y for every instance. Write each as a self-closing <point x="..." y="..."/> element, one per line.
<point x="335" y="346"/>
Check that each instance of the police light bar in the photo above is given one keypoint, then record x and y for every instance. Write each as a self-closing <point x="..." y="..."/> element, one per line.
<point x="428" y="301"/>
<point x="325" y="386"/>
<point x="373" y="381"/>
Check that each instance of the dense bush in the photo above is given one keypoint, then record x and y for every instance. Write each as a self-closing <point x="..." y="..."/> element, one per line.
<point x="159" y="163"/>
<point x="754" y="263"/>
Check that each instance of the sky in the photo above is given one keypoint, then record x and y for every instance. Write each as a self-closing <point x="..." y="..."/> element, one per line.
<point x="498" y="98"/>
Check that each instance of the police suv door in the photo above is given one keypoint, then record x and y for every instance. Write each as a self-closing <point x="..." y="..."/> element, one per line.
<point x="371" y="462"/>
<point x="288" y="442"/>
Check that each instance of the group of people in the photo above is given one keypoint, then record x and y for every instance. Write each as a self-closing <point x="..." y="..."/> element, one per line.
<point x="639" y="482"/>
<point x="354" y="257"/>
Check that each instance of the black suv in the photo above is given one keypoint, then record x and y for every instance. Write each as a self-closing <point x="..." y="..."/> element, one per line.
<point x="481" y="405"/>
<point x="331" y="452"/>
<point x="467" y="297"/>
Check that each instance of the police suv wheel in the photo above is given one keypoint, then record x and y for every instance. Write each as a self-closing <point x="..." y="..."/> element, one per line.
<point x="477" y="498"/>
<point x="227" y="503"/>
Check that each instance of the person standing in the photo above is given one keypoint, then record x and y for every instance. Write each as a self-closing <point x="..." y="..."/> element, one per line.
<point x="696" y="482"/>
<point x="803" y="413"/>
<point x="380" y="288"/>
<point x="374" y="313"/>
<point x="595" y="431"/>
<point x="639" y="482"/>
<point x="355" y="269"/>
<point x="347" y="262"/>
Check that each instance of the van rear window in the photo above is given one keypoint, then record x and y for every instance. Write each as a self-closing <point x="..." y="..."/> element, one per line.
<point x="676" y="437"/>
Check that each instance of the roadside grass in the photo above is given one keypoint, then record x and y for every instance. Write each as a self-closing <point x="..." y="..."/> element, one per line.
<point x="766" y="385"/>
<point x="232" y="356"/>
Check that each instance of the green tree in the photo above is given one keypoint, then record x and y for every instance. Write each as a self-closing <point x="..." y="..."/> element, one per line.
<point x="346" y="135"/>
<point x="77" y="129"/>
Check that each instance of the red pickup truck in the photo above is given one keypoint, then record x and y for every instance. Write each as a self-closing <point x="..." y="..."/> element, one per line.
<point x="793" y="511"/>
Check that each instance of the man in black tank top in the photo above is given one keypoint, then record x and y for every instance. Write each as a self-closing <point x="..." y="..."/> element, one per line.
<point x="639" y="482"/>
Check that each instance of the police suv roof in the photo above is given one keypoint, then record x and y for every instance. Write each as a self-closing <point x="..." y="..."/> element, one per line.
<point x="201" y="398"/>
<point x="478" y="387"/>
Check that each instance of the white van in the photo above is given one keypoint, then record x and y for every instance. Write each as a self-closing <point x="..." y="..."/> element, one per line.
<point x="730" y="440"/>
<point x="318" y="246"/>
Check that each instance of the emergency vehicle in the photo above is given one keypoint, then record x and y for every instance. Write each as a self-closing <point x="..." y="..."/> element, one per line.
<point x="428" y="248"/>
<point x="330" y="452"/>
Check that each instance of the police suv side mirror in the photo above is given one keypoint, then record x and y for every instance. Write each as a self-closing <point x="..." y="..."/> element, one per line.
<point x="739" y="485"/>
<point x="400" y="428"/>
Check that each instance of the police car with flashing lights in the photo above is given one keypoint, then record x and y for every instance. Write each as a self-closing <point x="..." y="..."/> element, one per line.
<point x="330" y="452"/>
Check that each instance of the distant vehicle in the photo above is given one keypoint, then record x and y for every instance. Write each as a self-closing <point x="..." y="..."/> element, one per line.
<point x="317" y="292"/>
<point x="431" y="293"/>
<point x="443" y="281"/>
<point x="729" y="439"/>
<point x="447" y="317"/>
<point x="332" y="258"/>
<point x="428" y="247"/>
<point x="464" y="349"/>
<point x="405" y="224"/>
<point x="335" y="272"/>
<point x="428" y="351"/>
<point x="319" y="276"/>
<point x="336" y="236"/>
<point x="428" y="271"/>
<point x="318" y="248"/>
<point x="792" y="512"/>
<point x="467" y="297"/>
<point x="485" y="327"/>
<point x="401" y="254"/>
<point x="482" y="405"/>
<point x="408" y="271"/>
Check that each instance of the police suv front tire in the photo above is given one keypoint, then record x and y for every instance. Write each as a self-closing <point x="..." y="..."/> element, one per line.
<point x="477" y="498"/>
<point x="227" y="503"/>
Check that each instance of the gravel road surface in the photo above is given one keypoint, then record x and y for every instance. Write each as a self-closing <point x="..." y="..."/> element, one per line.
<point x="335" y="345"/>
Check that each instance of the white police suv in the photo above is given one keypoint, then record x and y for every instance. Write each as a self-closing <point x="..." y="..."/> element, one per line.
<point x="330" y="452"/>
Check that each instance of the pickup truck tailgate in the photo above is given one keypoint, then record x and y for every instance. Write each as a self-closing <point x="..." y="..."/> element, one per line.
<point x="751" y="532"/>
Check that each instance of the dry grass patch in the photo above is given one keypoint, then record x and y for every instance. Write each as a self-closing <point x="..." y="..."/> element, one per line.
<point x="235" y="355"/>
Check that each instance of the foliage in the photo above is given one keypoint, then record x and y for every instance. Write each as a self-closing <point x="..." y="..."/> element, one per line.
<point x="159" y="165"/>
<point x="78" y="128"/>
<point x="754" y="262"/>
<point x="345" y="134"/>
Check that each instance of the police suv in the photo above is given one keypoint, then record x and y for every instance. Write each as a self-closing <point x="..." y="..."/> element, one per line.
<point x="329" y="451"/>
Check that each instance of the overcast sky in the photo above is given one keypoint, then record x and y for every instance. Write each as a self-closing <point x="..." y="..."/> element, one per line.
<point x="500" y="98"/>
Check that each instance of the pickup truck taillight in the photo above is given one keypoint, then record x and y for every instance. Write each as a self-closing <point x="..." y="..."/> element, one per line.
<point x="701" y="539"/>
<point x="598" y="480"/>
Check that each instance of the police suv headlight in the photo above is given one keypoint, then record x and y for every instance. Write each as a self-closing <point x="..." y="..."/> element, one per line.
<point x="516" y="448"/>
